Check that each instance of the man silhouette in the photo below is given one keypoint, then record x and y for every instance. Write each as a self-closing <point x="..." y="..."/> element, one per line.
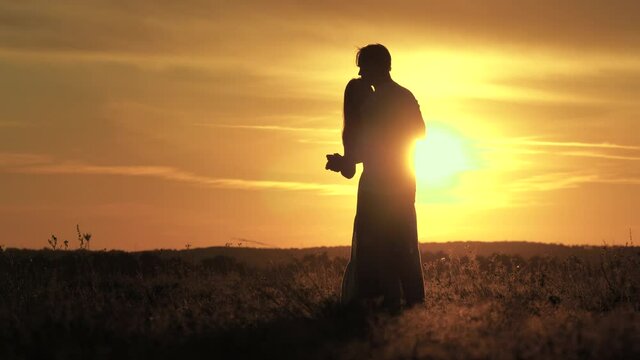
<point x="382" y="122"/>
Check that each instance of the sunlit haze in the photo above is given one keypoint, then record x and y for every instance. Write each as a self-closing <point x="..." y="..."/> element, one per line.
<point x="156" y="125"/>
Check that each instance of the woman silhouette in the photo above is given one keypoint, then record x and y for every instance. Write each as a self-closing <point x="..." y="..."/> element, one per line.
<point x="382" y="120"/>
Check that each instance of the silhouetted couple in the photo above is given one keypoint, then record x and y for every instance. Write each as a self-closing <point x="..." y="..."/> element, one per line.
<point x="382" y="120"/>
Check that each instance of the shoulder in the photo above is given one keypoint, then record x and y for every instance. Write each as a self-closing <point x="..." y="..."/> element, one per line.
<point x="402" y="91"/>
<point x="357" y="88"/>
<point x="355" y="82"/>
<point x="357" y="85"/>
<point x="403" y="94"/>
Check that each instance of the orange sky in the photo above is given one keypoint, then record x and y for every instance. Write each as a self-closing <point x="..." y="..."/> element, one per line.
<point x="161" y="123"/>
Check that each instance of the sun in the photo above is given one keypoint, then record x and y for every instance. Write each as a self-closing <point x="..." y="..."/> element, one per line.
<point x="441" y="156"/>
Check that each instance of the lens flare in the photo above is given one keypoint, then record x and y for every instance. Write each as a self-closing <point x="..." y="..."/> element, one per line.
<point x="441" y="156"/>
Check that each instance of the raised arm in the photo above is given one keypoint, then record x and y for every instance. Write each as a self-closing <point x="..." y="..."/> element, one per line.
<point x="355" y="94"/>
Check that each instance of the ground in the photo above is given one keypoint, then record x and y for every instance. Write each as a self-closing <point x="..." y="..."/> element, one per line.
<point x="109" y="304"/>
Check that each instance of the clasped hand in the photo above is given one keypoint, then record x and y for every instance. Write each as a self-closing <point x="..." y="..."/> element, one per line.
<point x="337" y="163"/>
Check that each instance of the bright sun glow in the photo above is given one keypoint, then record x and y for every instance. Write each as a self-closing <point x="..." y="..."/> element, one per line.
<point x="441" y="156"/>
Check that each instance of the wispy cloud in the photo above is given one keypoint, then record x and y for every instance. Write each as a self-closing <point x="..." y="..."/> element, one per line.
<point x="598" y="155"/>
<point x="623" y="181"/>
<point x="20" y="159"/>
<point x="174" y="174"/>
<point x="603" y="150"/>
<point x="319" y="142"/>
<point x="52" y="25"/>
<point x="271" y="128"/>
<point x="566" y="180"/>
<point x="602" y="145"/>
<point x="552" y="181"/>
<point x="529" y="142"/>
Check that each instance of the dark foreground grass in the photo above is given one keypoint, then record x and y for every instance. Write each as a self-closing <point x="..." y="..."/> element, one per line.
<point x="115" y="305"/>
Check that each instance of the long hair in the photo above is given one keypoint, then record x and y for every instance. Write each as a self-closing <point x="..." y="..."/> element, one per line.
<point x="355" y="95"/>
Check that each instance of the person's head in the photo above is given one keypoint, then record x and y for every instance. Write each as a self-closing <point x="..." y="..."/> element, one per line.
<point x="374" y="62"/>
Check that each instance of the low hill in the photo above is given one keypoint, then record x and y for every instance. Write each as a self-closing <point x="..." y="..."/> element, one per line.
<point x="261" y="257"/>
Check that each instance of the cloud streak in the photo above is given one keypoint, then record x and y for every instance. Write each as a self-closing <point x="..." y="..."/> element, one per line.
<point x="565" y="148"/>
<point x="602" y="145"/>
<point x="552" y="181"/>
<point x="565" y="180"/>
<point x="174" y="174"/>
<point x="42" y="165"/>
<point x="20" y="159"/>
<point x="157" y="27"/>
<point x="272" y="128"/>
<point x="593" y="154"/>
<point x="613" y="84"/>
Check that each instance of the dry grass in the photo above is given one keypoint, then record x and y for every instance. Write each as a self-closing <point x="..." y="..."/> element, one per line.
<point x="81" y="304"/>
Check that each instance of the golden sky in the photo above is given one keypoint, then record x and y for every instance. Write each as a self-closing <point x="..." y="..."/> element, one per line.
<point x="161" y="123"/>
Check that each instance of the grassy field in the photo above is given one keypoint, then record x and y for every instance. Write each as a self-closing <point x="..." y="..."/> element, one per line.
<point x="114" y="305"/>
